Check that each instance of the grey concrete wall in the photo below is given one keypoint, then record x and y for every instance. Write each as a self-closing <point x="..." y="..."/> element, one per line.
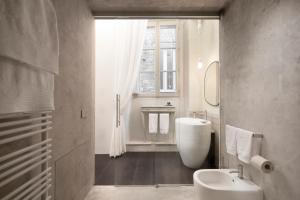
<point x="156" y="5"/>
<point x="260" y="88"/>
<point x="73" y="136"/>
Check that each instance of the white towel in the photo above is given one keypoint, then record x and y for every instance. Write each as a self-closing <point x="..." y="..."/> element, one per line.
<point x="153" y="120"/>
<point x="28" y="33"/>
<point x="231" y="143"/>
<point x="24" y="89"/>
<point x="164" y="123"/>
<point x="244" y="144"/>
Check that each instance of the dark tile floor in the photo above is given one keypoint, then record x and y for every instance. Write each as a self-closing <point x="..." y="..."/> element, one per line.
<point x="143" y="168"/>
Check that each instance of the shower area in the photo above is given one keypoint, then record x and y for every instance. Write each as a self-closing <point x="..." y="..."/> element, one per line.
<point x="148" y="74"/>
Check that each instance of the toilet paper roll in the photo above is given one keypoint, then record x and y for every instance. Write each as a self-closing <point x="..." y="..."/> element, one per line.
<point x="262" y="164"/>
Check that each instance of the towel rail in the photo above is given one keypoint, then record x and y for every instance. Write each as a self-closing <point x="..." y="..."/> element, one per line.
<point x="32" y="187"/>
<point x="29" y="134"/>
<point x="42" y="176"/>
<point x="29" y="148"/>
<point x="17" y="175"/>
<point x="24" y="164"/>
<point x="18" y="122"/>
<point x="36" y="192"/>
<point x="26" y="157"/>
<point x="21" y="158"/>
<point x="42" y="192"/>
<point x="24" y="114"/>
<point x="25" y="128"/>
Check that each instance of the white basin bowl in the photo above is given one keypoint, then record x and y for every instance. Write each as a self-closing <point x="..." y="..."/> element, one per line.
<point x="193" y="140"/>
<point x="216" y="184"/>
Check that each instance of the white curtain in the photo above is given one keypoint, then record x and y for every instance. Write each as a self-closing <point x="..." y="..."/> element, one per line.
<point x="129" y="37"/>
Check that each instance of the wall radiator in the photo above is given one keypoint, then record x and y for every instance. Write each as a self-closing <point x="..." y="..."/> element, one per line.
<point x="25" y="153"/>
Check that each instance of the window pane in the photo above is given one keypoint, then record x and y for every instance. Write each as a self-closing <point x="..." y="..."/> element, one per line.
<point x="167" y="81"/>
<point x="147" y="61"/>
<point x="149" y="42"/>
<point x="167" y="36"/>
<point x="167" y="58"/>
<point x="147" y="82"/>
<point x="170" y="81"/>
<point x="161" y="81"/>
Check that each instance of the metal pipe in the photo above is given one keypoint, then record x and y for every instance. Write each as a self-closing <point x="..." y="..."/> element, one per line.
<point x="2" y="183"/>
<point x="118" y="122"/>
<point x="16" y="153"/>
<point x="24" y="128"/>
<point x="35" y="192"/>
<point x="30" y="161"/>
<point x="34" y="189"/>
<point x="18" y="122"/>
<point x="42" y="192"/>
<point x="28" y="183"/>
<point x="17" y="126"/>
<point x="119" y="109"/>
<point x="28" y="155"/>
<point x="23" y="114"/>
<point x="12" y="139"/>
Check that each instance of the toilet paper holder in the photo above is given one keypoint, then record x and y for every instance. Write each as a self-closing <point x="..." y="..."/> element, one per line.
<point x="262" y="164"/>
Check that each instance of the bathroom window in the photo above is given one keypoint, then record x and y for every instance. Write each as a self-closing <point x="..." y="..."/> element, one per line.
<point x="158" y="68"/>
<point x="147" y="65"/>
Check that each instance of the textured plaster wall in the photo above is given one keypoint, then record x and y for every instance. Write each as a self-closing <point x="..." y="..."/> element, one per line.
<point x="260" y="86"/>
<point x="73" y="136"/>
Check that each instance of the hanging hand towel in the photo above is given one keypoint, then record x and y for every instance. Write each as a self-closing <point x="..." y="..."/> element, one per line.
<point x="28" y="55"/>
<point x="28" y="33"/>
<point x="153" y="120"/>
<point x="24" y="89"/>
<point x="231" y="144"/>
<point x="164" y="123"/>
<point x="244" y="145"/>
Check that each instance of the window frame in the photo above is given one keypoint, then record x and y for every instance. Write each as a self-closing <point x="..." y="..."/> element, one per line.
<point x="157" y="93"/>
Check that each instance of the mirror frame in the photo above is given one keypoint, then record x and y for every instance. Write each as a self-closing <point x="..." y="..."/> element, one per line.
<point x="215" y="105"/>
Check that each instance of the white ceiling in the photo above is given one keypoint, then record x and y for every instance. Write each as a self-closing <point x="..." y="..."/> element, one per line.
<point x="213" y="6"/>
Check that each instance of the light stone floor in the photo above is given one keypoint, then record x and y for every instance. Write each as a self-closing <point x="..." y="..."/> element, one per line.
<point x="141" y="193"/>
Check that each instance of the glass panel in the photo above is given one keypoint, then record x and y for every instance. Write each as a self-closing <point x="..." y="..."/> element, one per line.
<point x="161" y="81"/>
<point x="149" y="42"/>
<point x="170" y="81"/>
<point x="147" y="82"/>
<point x="147" y="61"/>
<point x="167" y="36"/>
<point x="168" y="58"/>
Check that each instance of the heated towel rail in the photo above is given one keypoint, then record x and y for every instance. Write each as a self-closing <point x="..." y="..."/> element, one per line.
<point x="25" y="152"/>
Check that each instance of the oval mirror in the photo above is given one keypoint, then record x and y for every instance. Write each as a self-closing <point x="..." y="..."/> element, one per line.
<point x="211" y="84"/>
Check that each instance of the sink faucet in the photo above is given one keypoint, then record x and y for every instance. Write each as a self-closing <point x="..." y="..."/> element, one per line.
<point x="239" y="171"/>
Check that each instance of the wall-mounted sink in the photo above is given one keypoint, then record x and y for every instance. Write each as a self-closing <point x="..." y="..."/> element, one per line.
<point x="216" y="184"/>
<point x="158" y="109"/>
